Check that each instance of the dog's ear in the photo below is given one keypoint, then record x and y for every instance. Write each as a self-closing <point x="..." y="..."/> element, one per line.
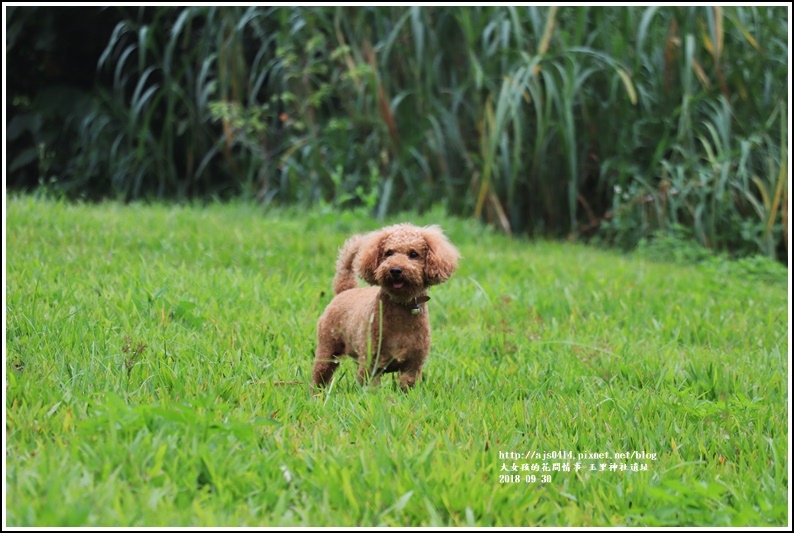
<point x="369" y="255"/>
<point x="442" y="256"/>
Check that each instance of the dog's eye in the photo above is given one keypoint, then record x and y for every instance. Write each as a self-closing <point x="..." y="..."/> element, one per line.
<point x="413" y="255"/>
<point x="389" y="253"/>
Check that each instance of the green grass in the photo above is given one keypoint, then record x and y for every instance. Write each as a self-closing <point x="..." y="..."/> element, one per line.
<point x="158" y="364"/>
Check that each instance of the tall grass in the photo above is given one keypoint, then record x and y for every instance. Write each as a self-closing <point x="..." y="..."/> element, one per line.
<point x="152" y="129"/>
<point x="614" y="122"/>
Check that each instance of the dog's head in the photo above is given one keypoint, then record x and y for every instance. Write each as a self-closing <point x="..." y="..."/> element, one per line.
<point x="405" y="259"/>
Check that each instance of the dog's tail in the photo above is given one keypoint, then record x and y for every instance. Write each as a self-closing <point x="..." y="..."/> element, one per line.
<point x="345" y="277"/>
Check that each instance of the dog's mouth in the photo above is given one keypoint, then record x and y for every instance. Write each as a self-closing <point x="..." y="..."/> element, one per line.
<point x="398" y="284"/>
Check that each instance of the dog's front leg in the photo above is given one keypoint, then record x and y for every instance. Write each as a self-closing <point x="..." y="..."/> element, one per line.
<point x="367" y="375"/>
<point x="411" y="374"/>
<point x="408" y="379"/>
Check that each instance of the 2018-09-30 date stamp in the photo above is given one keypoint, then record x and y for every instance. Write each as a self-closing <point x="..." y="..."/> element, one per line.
<point x="527" y="478"/>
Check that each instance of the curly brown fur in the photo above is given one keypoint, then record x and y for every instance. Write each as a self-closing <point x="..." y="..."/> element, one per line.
<point x="345" y="276"/>
<point x="375" y="325"/>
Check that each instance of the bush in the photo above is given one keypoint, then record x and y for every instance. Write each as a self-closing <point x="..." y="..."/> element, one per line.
<point x="678" y="246"/>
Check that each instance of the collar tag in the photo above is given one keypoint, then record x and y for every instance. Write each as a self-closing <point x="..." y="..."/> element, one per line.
<point x="415" y="309"/>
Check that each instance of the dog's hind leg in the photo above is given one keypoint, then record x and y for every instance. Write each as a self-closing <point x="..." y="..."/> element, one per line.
<point x="326" y="361"/>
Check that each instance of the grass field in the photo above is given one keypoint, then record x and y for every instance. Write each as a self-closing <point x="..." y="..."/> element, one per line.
<point x="158" y="363"/>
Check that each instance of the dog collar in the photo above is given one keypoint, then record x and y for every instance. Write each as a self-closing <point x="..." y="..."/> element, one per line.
<point x="415" y="309"/>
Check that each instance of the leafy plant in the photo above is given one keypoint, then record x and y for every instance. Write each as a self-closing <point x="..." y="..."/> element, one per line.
<point x="575" y="122"/>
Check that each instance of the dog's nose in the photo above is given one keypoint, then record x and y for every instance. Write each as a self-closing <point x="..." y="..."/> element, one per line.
<point x="396" y="271"/>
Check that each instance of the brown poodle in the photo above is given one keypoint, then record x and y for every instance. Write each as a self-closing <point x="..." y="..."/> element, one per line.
<point x="386" y="327"/>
